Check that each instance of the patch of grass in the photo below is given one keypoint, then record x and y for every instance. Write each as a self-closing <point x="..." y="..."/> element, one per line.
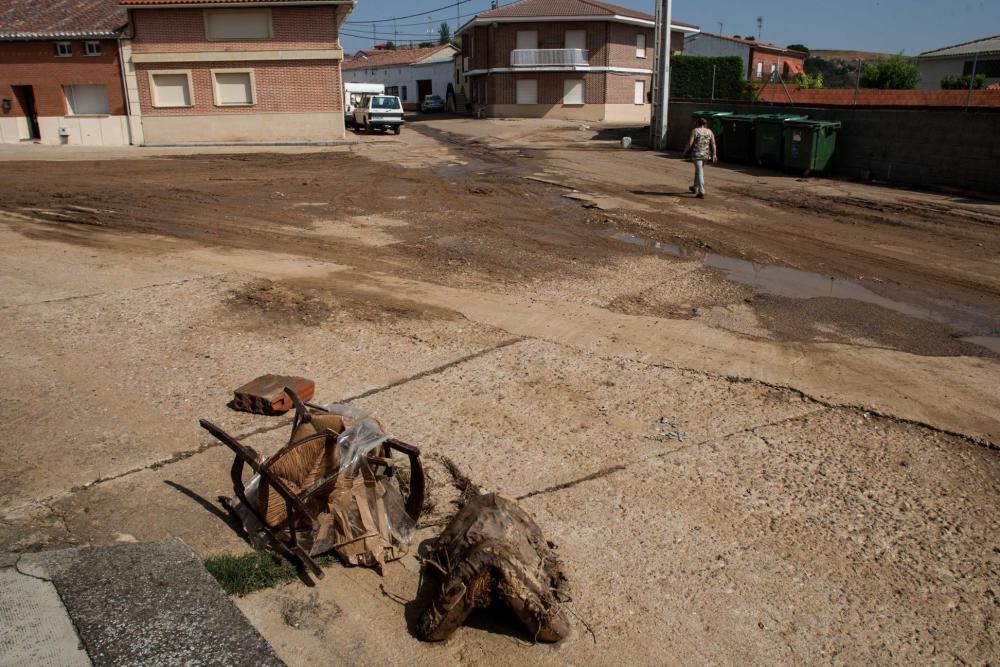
<point x="239" y="575"/>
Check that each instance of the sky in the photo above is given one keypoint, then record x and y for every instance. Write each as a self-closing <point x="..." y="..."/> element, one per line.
<point x="886" y="26"/>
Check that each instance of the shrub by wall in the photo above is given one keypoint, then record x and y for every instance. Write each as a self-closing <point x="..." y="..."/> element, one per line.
<point x="691" y="77"/>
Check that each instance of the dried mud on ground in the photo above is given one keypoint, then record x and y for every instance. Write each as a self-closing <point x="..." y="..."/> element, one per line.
<point x="732" y="476"/>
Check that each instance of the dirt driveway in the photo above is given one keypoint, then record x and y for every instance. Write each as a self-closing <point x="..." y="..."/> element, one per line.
<point x="761" y="428"/>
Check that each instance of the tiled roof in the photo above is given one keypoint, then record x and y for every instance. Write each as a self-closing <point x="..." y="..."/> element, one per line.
<point x="752" y="42"/>
<point x="242" y="2"/>
<point x="984" y="45"/>
<point x="549" y="8"/>
<point x="41" y="19"/>
<point x="385" y="57"/>
<point x="872" y="97"/>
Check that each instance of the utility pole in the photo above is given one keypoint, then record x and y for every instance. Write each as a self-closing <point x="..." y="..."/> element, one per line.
<point x="661" y="77"/>
<point x="721" y="26"/>
<point x="760" y="26"/>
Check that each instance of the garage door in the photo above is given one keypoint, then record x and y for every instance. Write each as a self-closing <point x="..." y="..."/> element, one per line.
<point x="527" y="91"/>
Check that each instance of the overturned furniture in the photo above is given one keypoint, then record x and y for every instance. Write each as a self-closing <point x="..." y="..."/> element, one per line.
<point x="265" y="395"/>
<point x="333" y="487"/>
<point x="492" y="551"/>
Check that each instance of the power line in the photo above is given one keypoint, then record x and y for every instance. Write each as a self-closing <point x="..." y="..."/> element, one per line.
<point x="419" y="23"/>
<point x="411" y="16"/>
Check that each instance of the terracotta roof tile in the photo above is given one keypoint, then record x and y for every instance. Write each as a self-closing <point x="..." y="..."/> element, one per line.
<point x="39" y="19"/>
<point x="870" y="97"/>
<point x="539" y="8"/>
<point x="384" y="57"/>
<point x="218" y="2"/>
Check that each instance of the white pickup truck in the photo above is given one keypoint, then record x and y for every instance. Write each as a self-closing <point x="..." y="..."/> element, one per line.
<point x="380" y="112"/>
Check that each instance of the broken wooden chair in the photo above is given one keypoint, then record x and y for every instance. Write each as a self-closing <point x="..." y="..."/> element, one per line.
<point x="333" y="487"/>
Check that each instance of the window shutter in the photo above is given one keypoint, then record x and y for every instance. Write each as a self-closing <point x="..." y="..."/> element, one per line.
<point x="640" y="93"/>
<point x="573" y="91"/>
<point x="527" y="91"/>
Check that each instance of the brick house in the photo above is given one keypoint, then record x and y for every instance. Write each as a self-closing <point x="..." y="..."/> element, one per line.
<point x="60" y="72"/>
<point x="409" y="73"/>
<point x="576" y="59"/>
<point x="760" y="59"/>
<point x="212" y="71"/>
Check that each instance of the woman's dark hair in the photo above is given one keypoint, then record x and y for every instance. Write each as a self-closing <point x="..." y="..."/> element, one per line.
<point x="702" y="122"/>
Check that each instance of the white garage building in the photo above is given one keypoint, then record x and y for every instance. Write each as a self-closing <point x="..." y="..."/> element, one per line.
<point x="410" y="73"/>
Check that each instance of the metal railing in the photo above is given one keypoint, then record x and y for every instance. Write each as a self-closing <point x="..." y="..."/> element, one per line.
<point x="549" y="58"/>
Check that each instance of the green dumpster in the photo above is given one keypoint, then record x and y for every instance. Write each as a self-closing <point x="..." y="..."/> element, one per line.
<point x="770" y="137"/>
<point x="809" y="144"/>
<point x="740" y="131"/>
<point x="714" y="120"/>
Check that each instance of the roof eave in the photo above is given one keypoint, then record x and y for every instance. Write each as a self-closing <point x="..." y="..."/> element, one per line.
<point x="616" y="18"/>
<point x="965" y="56"/>
<point x="47" y="36"/>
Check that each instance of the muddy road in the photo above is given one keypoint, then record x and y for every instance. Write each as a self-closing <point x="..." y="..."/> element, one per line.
<point x="762" y="428"/>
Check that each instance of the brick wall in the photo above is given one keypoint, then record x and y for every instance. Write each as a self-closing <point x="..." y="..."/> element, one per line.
<point x="550" y="36"/>
<point x="867" y="97"/>
<point x="282" y="87"/>
<point x="920" y="147"/>
<point x="769" y="59"/>
<point x="36" y="64"/>
<point x="503" y="87"/>
<point x="621" y="87"/>
<point x="183" y="30"/>
<point x="621" y="45"/>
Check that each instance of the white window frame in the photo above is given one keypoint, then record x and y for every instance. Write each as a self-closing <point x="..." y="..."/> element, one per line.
<point x="88" y="46"/>
<point x="71" y="112"/>
<point x="236" y="70"/>
<point x="760" y="69"/>
<point x="640" y="45"/>
<point x="639" y="92"/>
<point x="208" y="32"/>
<point x="583" y="92"/>
<point x="517" y="99"/>
<point x="59" y="49"/>
<point x="152" y="89"/>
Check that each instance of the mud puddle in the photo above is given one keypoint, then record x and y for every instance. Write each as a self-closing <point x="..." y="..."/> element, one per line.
<point x="780" y="281"/>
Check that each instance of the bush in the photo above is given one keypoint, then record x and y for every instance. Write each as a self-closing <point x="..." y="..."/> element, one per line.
<point x="807" y="82"/>
<point x="691" y="76"/>
<point x="962" y="82"/>
<point x="895" y="73"/>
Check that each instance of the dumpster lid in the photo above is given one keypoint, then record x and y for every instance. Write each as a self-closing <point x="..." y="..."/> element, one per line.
<point x="779" y="117"/>
<point x="743" y="117"/>
<point x="811" y="122"/>
<point x="710" y="114"/>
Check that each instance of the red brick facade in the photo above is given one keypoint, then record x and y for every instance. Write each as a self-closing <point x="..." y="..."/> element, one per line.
<point x="610" y="44"/>
<point x="36" y="64"/>
<point x="768" y="59"/>
<point x="183" y="30"/>
<point x="296" y="86"/>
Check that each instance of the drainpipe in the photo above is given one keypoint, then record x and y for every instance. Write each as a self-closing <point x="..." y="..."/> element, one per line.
<point x="128" y="106"/>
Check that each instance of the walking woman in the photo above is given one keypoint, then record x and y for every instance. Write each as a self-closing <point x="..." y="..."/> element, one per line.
<point x="703" y="144"/>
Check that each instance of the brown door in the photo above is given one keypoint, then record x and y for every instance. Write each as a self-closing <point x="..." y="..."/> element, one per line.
<point x="26" y="98"/>
<point x="424" y="88"/>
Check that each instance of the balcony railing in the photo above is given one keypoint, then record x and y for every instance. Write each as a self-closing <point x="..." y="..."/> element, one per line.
<point x="549" y="58"/>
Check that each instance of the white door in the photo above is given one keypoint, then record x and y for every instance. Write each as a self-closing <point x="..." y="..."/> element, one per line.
<point x="576" y="39"/>
<point x="573" y="91"/>
<point x="527" y="39"/>
<point x="527" y="91"/>
<point x="640" y="92"/>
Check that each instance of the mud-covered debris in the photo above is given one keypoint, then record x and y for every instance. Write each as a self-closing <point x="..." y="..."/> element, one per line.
<point x="494" y="552"/>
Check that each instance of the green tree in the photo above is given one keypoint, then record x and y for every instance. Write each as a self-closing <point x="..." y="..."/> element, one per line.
<point x="895" y="73"/>
<point x="444" y="34"/>
<point x="424" y="45"/>
<point x="390" y="46"/>
<point x="799" y="47"/>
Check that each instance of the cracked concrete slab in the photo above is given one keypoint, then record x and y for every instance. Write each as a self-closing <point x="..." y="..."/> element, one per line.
<point x="149" y="604"/>
<point x="35" y="628"/>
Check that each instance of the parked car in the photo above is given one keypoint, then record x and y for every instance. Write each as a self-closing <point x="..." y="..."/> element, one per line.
<point x="380" y="112"/>
<point x="432" y="103"/>
<point x="354" y="93"/>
